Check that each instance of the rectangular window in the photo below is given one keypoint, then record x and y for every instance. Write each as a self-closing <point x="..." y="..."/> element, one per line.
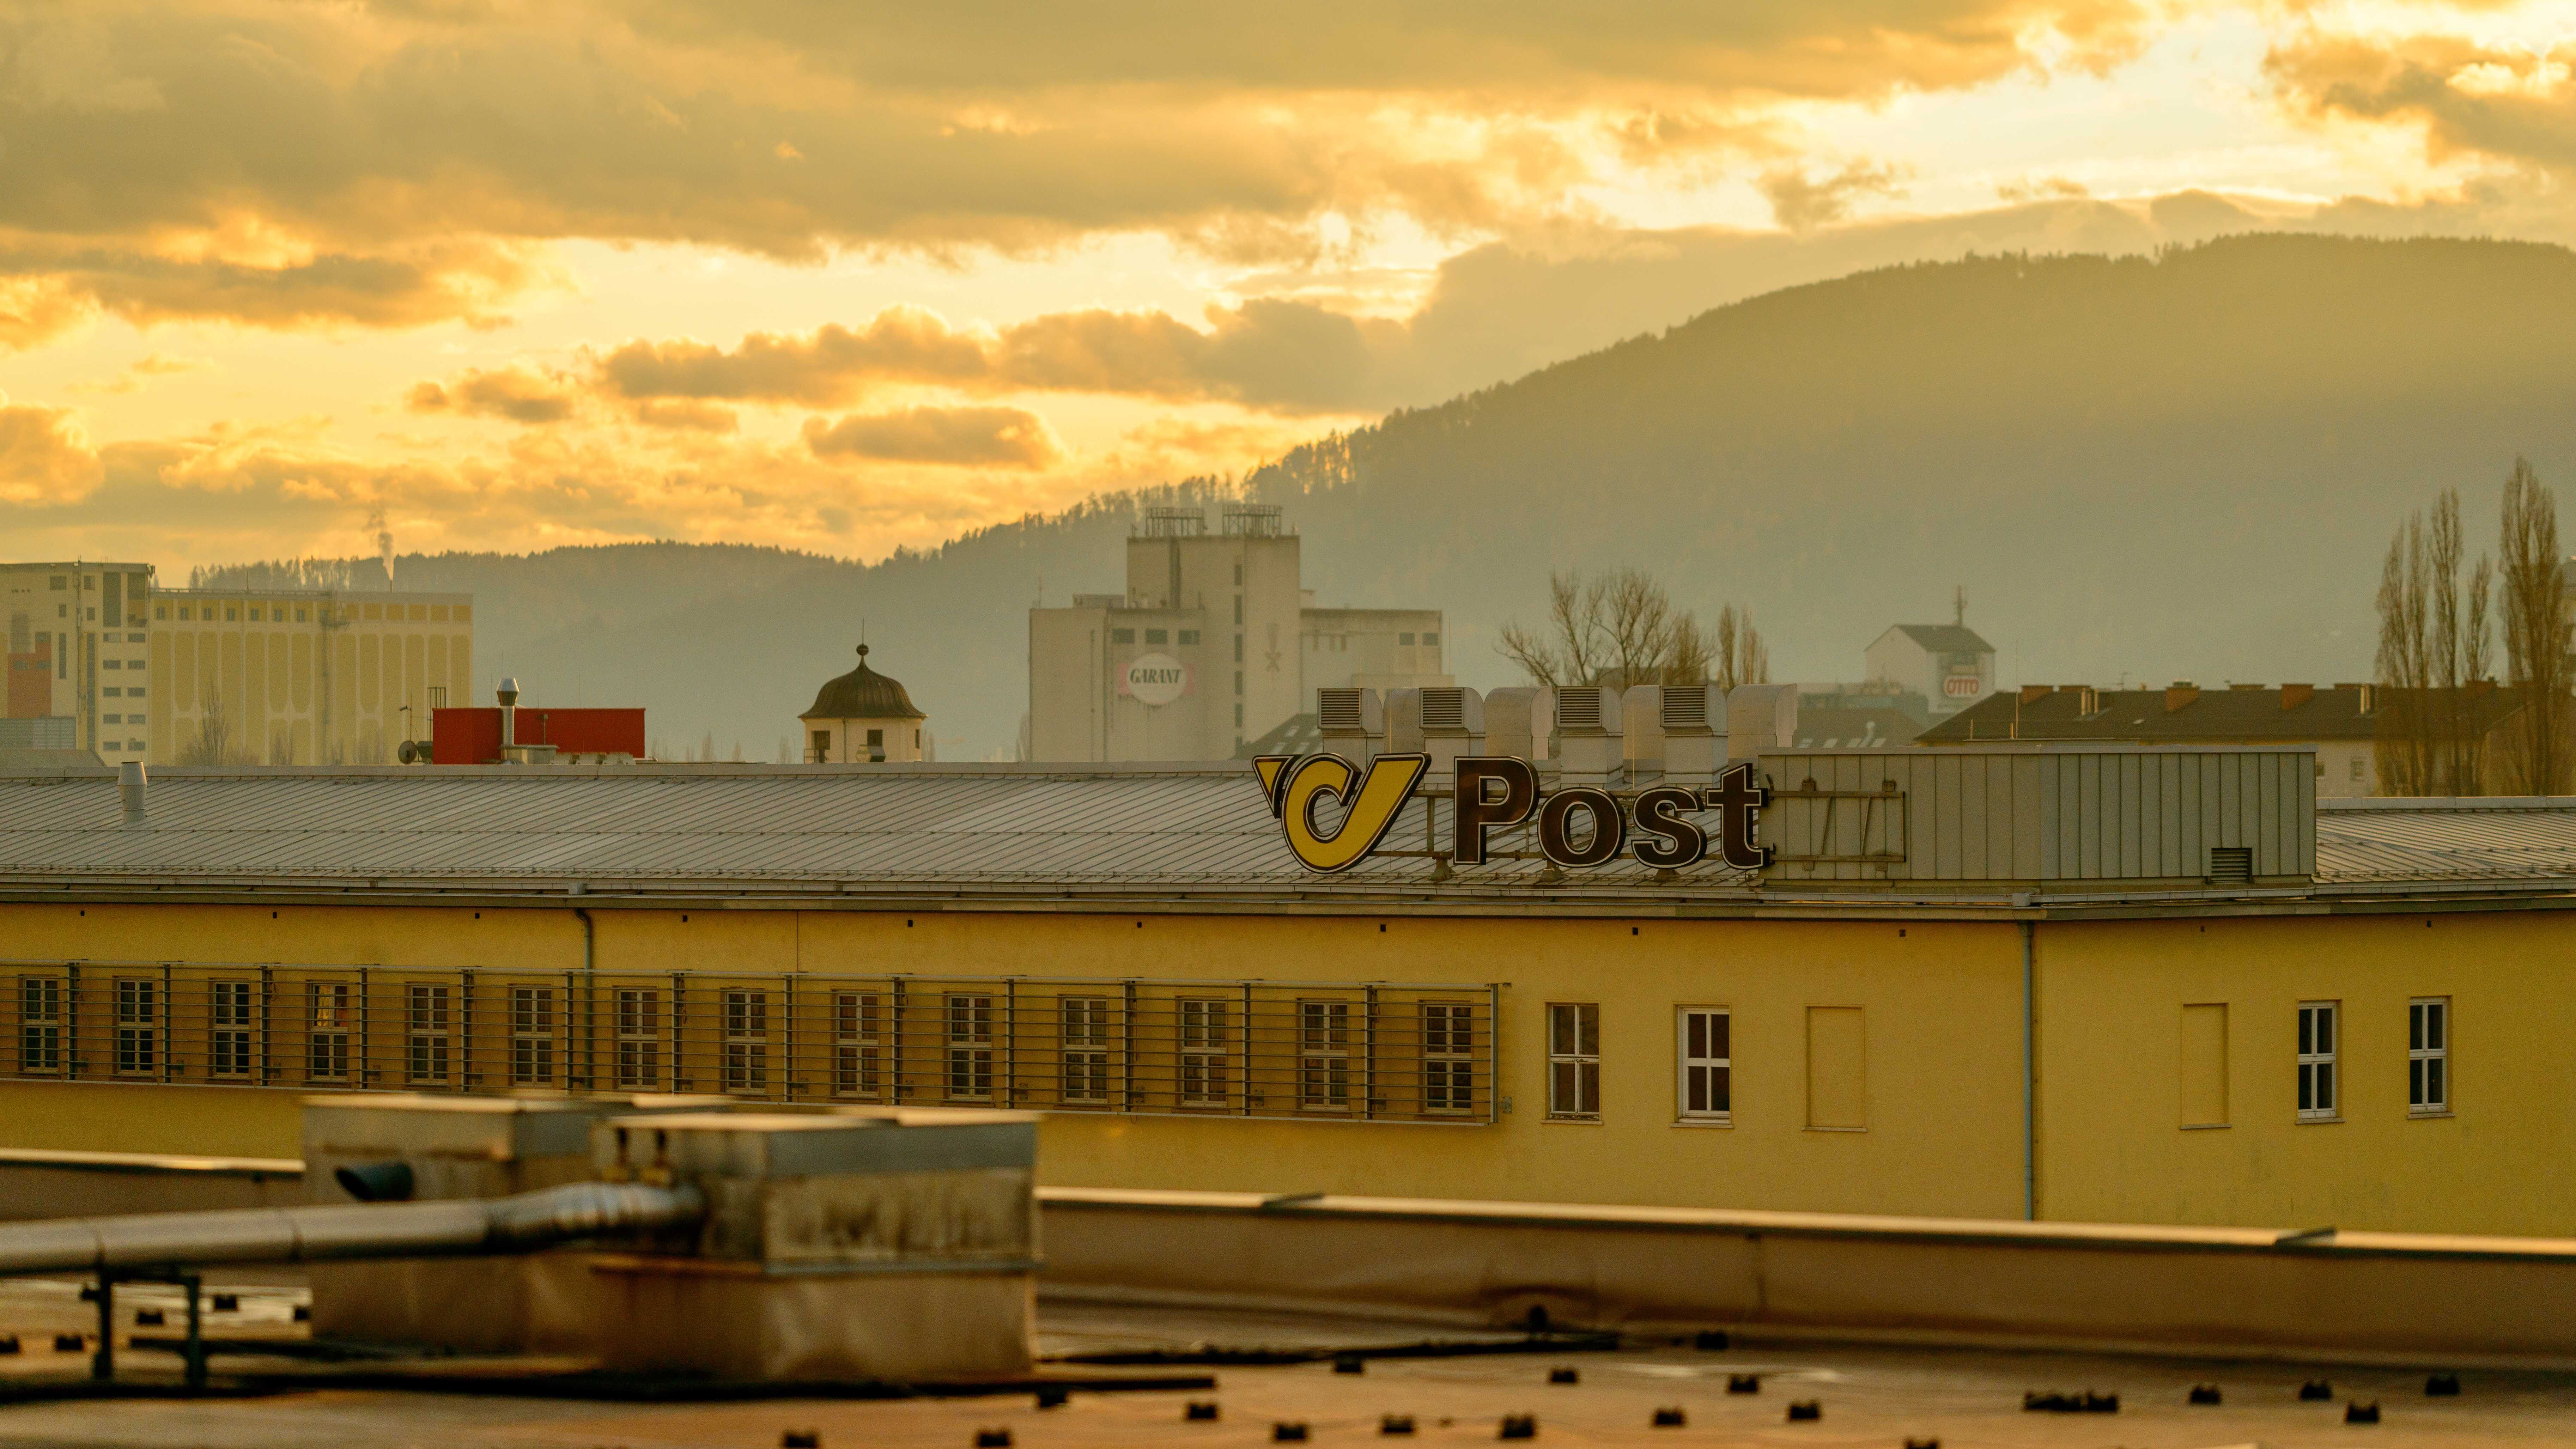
<point x="40" y="1023"/>
<point x="857" y="1064"/>
<point x="746" y="1041"/>
<point x="2428" y="1054"/>
<point x="1122" y="636"/>
<point x="1203" y="1053"/>
<point x="2204" y="1064"/>
<point x="2317" y="1060"/>
<point x="821" y="752"/>
<point x="1086" y="1049"/>
<point x="876" y="739"/>
<point x="970" y="1048"/>
<point x="1573" y="1060"/>
<point x="1238" y="681"/>
<point x="330" y="1012"/>
<point x="1189" y="636"/>
<point x="1448" y="1056"/>
<point x="425" y="1032"/>
<point x="228" y="1019"/>
<point x="1707" y="1064"/>
<point x="1238" y="608"/>
<point x="1157" y="636"/>
<point x="639" y="1036"/>
<point x="532" y="1036"/>
<point x="1406" y="640"/>
<point x="138" y="1025"/>
<point x="1238" y="646"/>
<point x="1430" y="640"/>
<point x="1324" y="1056"/>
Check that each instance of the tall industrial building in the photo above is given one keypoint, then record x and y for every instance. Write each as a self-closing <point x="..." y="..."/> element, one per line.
<point x="132" y="672"/>
<point x="303" y="677"/>
<point x="1214" y="643"/>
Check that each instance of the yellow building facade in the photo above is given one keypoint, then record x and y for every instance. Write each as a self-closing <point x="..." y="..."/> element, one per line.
<point x="300" y="678"/>
<point x="1190" y="1012"/>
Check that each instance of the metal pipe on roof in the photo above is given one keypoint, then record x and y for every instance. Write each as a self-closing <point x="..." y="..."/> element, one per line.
<point x="2029" y="1073"/>
<point x="462" y="1227"/>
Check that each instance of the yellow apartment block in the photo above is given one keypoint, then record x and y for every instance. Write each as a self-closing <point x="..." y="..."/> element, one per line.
<point x="297" y="678"/>
<point x="2136" y="985"/>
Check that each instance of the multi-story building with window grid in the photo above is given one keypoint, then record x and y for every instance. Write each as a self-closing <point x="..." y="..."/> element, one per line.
<point x="1215" y="642"/>
<point x="139" y="672"/>
<point x="2101" y="984"/>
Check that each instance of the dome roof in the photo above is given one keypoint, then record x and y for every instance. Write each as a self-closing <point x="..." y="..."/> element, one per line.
<point x="862" y="694"/>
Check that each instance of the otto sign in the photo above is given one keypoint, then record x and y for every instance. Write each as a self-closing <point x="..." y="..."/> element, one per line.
<point x="1962" y="686"/>
<point x="1657" y="825"/>
<point x="1155" y="679"/>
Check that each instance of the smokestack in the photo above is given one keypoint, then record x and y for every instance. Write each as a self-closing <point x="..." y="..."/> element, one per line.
<point x="384" y="542"/>
<point x="129" y="788"/>
<point x="508" y="694"/>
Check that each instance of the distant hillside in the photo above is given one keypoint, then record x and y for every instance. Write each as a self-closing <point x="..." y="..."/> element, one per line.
<point x="2184" y="465"/>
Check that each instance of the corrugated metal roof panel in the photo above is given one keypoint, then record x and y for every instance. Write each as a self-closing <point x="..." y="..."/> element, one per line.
<point x="940" y="826"/>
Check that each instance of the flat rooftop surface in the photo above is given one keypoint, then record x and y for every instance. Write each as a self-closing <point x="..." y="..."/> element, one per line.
<point x="1868" y="1395"/>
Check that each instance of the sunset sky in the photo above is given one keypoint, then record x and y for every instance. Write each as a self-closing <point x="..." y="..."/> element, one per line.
<point x="844" y="277"/>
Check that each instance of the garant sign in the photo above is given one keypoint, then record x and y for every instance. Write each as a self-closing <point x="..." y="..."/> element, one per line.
<point x="1155" y="679"/>
<point x="1499" y="792"/>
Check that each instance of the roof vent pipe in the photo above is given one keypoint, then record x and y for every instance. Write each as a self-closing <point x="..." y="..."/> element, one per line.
<point x="508" y="695"/>
<point x="129" y="788"/>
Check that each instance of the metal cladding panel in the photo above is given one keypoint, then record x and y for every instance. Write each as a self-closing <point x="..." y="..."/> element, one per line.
<point x="2024" y="814"/>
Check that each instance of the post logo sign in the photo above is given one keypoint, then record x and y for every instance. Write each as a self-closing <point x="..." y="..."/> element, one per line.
<point x="1155" y="680"/>
<point x="1500" y="792"/>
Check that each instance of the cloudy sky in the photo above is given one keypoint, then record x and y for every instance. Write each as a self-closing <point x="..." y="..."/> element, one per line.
<point x="847" y="277"/>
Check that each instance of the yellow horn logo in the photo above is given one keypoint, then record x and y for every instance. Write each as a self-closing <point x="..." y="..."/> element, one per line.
<point x="1297" y="787"/>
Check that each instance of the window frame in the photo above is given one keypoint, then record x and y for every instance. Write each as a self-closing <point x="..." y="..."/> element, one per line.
<point x="329" y="1008"/>
<point x="42" y="1024"/>
<point x="2428" y="1059"/>
<point x="230" y="1026"/>
<point x="1573" y="1061"/>
<point x="743" y="1013"/>
<point x="858" y="1061"/>
<point x="1448" y="1056"/>
<point x="966" y="1028"/>
<point x="636" y="1029"/>
<point x="1083" y="1048"/>
<point x="136" y="1002"/>
<point x="2319" y="1065"/>
<point x="1204" y="1052"/>
<point x="1324" y="1054"/>
<point x="1720" y="1064"/>
<point x="429" y="1032"/>
<point x="532" y="1035"/>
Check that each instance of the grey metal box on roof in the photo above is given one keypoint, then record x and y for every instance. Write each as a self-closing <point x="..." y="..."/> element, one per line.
<point x="2130" y="817"/>
<point x="789" y="1144"/>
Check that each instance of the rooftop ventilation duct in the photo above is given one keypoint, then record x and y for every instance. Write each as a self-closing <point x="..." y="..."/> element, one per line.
<point x="1351" y="721"/>
<point x="1760" y="717"/>
<point x="1517" y="722"/>
<point x="1453" y="724"/>
<point x="1404" y="721"/>
<point x="1589" y="727"/>
<point x="1679" y="730"/>
<point x="130" y="780"/>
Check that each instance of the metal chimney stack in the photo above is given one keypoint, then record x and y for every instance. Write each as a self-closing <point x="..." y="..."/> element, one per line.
<point x="130" y="781"/>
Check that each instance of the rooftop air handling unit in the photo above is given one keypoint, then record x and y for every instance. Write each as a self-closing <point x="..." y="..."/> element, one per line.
<point x="1590" y="728"/>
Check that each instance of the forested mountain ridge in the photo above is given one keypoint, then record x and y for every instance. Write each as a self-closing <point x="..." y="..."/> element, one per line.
<point x="2178" y="465"/>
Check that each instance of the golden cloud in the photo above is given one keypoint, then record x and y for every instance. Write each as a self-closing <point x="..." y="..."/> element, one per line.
<point x="519" y="393"/>
<point x="2511" y="104"/>
<point x="288" y="165"/>
<point x="984" y="437"/>
<point x="45" y="456"/>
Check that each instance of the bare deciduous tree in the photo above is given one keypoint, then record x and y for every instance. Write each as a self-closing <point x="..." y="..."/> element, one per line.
<point x="213" y="743"/>
<point x="2434" y="652"/>
<point x="1621" y="629"/>
<point x="2538" y="637"/>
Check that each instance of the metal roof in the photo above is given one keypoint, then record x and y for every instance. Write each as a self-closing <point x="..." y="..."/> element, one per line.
<point x="1165" y="833"/>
